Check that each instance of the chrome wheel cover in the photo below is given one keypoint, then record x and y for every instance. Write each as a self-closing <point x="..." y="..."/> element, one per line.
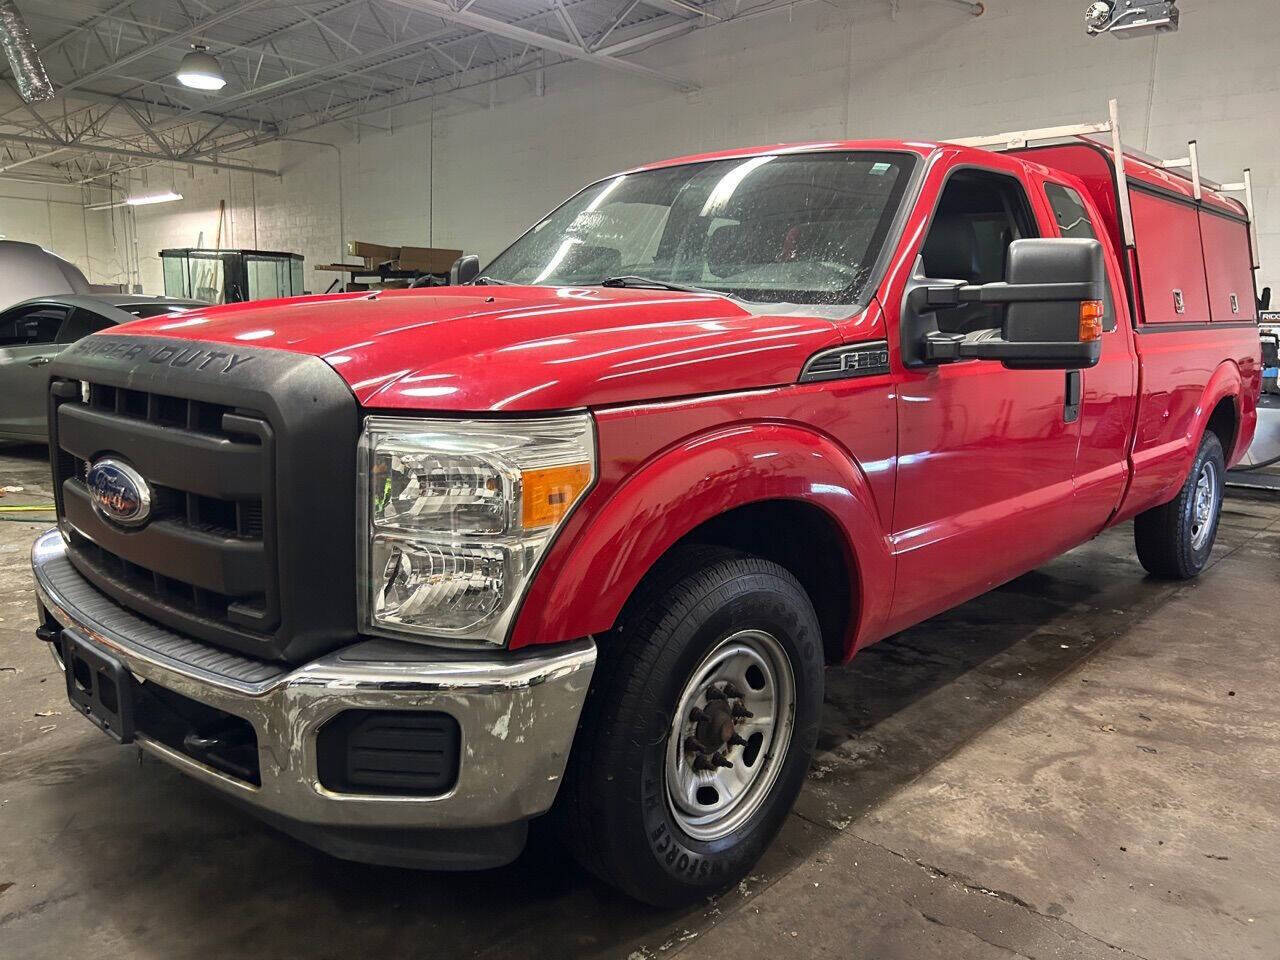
<point x="738" y="705"/>
<point x="1204" y="505"/>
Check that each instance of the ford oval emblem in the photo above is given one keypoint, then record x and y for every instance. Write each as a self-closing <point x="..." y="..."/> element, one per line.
<point x="118" y="491"/>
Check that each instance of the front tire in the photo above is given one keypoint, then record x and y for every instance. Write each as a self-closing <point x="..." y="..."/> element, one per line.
<point x="698" y="729"/>
<point x="1174" y="540"/>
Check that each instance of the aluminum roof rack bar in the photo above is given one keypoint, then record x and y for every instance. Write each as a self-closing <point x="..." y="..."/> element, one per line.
<point x="1017" y="139"/>
<point x="1122" y="178"/>
<point x="1245" y="186"/>
<point x="1187" y="167"/>
<point x="1194" y="157"/>
<point x="1190" y="162"/>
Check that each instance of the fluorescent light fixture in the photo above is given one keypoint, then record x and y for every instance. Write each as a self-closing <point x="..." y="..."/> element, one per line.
<point x="167" y="197"/>
<point x="142" y="201"/>
<point x="200" y="70"/>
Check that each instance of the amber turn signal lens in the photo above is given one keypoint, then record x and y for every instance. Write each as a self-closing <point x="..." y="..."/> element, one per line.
<point x="1090" y="320"/>
<point x="550" y="492"/>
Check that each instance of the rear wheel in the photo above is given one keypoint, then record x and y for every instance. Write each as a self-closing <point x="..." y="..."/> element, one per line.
<point x="1175" y="539"/>
<point x="698" y="729"/>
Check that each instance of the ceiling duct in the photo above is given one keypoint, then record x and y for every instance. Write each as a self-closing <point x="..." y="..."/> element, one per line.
<point x="28" y="72"/>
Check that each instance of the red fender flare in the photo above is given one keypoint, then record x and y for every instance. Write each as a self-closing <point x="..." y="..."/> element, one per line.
<point x="610" y="545"/>
<point x="1225" y="382"/>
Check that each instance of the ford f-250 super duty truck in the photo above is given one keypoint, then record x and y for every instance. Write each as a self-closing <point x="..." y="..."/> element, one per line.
<point x="402" y="571"/>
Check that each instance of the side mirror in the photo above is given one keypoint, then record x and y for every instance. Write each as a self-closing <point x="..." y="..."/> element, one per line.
<point x="464" y="270"/>
<point x="1053" y="318"/>
<point x="1264" y="301"/>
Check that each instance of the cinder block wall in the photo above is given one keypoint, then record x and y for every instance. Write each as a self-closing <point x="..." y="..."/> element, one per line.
<point x="52" y="217"/>
<point x="472" y="171"/>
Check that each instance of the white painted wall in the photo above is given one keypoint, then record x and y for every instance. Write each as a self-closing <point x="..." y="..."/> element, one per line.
<point x="52" y="217"/>
<point x="468" y="175"/>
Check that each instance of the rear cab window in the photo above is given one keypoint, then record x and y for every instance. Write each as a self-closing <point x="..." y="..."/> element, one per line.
<point x="1072" y="218"/>
<point x="1069" y="212"/>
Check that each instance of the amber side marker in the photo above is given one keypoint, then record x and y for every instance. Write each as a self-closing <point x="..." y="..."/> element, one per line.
<point x="550" y="491"/>
<point x="1090" y="320"/>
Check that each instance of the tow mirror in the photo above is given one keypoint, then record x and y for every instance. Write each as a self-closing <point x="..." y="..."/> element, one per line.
<point x="1053" y="309"/>
<point x="464" y="270"/>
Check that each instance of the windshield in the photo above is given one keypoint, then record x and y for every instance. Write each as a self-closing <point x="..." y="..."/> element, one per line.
<point x="789" y="228"/>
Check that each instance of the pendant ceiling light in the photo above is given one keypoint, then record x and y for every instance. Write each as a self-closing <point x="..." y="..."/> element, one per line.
<point x="200" y="71"/>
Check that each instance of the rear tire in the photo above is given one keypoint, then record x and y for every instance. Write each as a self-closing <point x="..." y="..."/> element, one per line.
<point x="1174" y="540"/>
<point x="635" y="809"/>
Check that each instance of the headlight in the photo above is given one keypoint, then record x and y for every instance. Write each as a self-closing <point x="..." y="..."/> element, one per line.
<point x="457" y="515"/>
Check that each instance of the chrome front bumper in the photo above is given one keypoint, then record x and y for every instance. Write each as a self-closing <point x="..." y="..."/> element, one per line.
<point x="517" y="712"/>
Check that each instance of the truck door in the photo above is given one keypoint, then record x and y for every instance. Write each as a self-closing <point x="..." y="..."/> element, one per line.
<point x="1109" y="391"/>
<point x="985" y="454"/>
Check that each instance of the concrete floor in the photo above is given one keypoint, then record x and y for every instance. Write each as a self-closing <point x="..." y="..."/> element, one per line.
<point x="1083" y="763"/>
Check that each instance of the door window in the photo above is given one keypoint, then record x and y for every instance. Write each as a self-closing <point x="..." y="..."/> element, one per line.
<point x="979" y="214"/>
<point x="31" y="326"/>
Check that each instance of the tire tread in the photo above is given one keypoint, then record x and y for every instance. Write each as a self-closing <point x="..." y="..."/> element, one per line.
<point x="687" y="583"/>
<point x="1160" y="535"/>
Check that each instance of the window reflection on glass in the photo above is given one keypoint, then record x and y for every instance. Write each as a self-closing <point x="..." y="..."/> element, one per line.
<point x="1069" y="211"/>
<point x="771" y="229"/>
<point x="176" y="281"/>
<point x="206" y="280"/>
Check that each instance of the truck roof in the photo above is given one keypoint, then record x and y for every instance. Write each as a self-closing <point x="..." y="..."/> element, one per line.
<point x="1138" y="165"/>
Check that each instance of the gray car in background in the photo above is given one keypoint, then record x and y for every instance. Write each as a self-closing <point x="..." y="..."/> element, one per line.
<point x="34" y="331"/>
<point x="28" y="270"/>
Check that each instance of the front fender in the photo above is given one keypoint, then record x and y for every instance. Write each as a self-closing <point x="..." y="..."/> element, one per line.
<point x="595" y="566"/>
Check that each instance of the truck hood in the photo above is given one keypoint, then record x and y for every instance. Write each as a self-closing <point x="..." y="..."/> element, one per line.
<point x="518" y="348"/>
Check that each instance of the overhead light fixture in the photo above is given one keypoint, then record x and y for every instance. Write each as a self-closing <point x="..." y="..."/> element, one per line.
<point x="200" y="71"/>
<point x="167" y="197"/>
<point x="142" y="201"/>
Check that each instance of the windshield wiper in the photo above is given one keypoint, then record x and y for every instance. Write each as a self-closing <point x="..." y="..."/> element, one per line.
<point x="634" y="281"/>
<point x="483" y="281"/>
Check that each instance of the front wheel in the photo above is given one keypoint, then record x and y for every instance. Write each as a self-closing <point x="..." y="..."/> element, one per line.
<point x="698" y="729"/>
<point x="1174" y="540"/>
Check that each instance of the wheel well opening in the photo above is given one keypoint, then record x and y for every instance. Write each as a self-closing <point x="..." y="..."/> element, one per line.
<point x="803" y="539"/>
<point x="1223" y="423"/>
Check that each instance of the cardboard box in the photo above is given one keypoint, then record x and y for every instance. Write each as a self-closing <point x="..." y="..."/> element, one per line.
<point x="375" y="252"/>
<point x="428" y="259"/>
<point x="421" y="259"/>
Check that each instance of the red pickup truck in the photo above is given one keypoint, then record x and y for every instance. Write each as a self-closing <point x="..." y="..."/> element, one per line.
<point x="402" y="571"/>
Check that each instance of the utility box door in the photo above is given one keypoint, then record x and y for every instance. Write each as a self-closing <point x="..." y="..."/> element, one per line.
<point x="1228" y="266"/>
<point x="1170" y="264"/>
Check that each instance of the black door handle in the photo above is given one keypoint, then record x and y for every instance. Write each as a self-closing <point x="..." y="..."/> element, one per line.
<point x="1071" y="398"/>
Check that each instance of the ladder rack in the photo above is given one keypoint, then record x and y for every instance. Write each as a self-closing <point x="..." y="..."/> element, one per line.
<point x="1019" y="139"/>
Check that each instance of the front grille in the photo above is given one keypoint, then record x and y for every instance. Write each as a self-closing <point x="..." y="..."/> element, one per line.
<point x="170" y="591"/>
<point x="249" y="457"/>
<point x="199" y="519"/>
<point x="157" y="408"/>
<point x="233" y="518"/>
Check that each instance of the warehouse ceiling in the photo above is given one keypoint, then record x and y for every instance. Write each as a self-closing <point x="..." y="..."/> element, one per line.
<point x="292" y="66"/>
